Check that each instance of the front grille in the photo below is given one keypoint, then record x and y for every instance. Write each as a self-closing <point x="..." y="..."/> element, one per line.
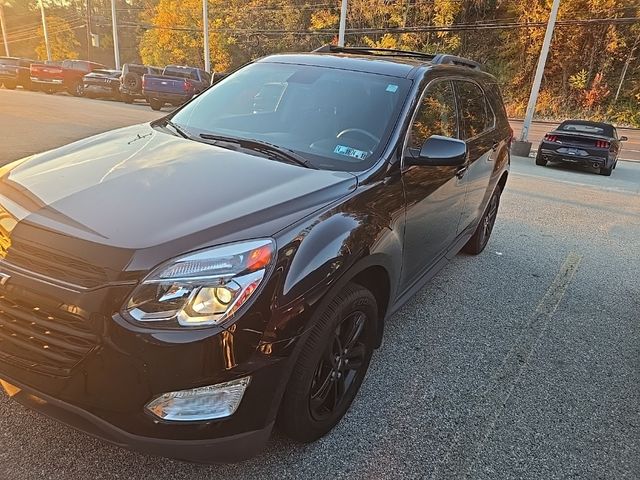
<point x="53" y="265"/>
<point x="50" y="343"/>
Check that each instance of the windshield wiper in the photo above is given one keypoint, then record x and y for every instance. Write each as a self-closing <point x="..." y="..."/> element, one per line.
<point x="266" y="148"/>
<point x="179" y="130"/>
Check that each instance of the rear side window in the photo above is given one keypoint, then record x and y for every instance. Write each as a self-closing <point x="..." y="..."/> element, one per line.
<point x="436" y="115"/>
<point x="477" y="116"/>
<point x="181" y="73"/>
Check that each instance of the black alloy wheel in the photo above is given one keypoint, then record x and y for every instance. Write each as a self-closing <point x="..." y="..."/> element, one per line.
<point x="480" y="238"/>
<point x="331" y="366"/>
<point x="339" y="366"/>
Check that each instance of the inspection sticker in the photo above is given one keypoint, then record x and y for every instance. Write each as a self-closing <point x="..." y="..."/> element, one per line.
<point x="350" y="152"/>
<point x="392" y="88"/>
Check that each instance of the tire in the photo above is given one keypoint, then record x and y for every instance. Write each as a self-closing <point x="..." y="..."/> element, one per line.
<point x="132" y="81"/>
<point x="155" y="104"/>
<point x="606" y="171"/>
<point x="76" y="89"/>
<point x="540" y="161"/>
<point x="615" y="164"/>
<point x="309" y="408"/>
<point x="480" y="238"/>
<point x="10" y="85"/>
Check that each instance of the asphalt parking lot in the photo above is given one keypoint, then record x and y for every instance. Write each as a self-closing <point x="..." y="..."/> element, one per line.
<point x="523" y="362"/>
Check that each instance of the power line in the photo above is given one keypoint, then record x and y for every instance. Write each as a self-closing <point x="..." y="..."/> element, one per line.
<point x="414" y="29"/>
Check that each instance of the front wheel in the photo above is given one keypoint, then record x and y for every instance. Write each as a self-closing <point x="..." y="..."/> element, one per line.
<point x="331" y="366"/>
<point x="480" y="238"/>
<point x="10" y="85"/>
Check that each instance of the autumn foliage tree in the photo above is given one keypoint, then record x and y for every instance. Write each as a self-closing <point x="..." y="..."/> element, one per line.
<point x="62" y="40"/>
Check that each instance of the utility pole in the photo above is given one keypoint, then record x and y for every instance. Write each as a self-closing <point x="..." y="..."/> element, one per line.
<point x="44" y="30"/>
<point x="114" y="22"/>
<point x="205" y="34"/>
<point x="89" y="38"/>
<point x="4" y="31"/>
<point x="537" y="81"/>
<point x="624" y="69"/>
<point x="343" y="23"/>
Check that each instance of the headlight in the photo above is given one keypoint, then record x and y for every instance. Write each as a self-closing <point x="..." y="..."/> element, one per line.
<point x="203" y="288"/>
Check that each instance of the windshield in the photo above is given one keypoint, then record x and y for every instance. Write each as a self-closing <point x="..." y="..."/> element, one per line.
<point x="337" y="119"/>
<point x="586" y="128"/>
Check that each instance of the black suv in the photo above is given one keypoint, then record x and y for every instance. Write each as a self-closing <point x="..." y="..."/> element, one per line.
<point x="181" y="286"/>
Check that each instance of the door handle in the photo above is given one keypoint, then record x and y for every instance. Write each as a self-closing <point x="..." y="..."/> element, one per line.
<point x="495" y="146"/>
<point x="461" y="171"/>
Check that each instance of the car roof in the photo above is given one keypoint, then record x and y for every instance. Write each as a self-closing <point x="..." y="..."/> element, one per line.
<point x="396" y="63"/>
<point x="589" y="123"/>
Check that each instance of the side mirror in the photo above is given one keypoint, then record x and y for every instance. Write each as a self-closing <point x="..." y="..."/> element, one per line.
<point x="440" y="151"/>
<point x="623" y="138"/>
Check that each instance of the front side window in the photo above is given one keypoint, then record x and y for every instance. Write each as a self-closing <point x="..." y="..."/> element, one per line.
<point x="477" y="116"/>
<point x="436" y="115"/>
<point x="337" y="119"/>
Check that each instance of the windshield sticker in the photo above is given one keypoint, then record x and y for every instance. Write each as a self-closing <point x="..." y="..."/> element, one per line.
<point x="392" y="88"/>
<point x="350" y="152"/>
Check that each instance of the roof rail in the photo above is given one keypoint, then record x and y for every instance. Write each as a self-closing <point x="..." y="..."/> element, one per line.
<point x="436" y="59"/>
<point x="374" y="51"/>
<point x="445" y="59"/>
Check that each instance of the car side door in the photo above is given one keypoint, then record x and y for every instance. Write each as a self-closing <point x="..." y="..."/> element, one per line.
<point x="434" y="195"/>
<point x="478" y="130"/>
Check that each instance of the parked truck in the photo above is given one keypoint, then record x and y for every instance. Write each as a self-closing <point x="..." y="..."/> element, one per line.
<point x="15" y="72"/>
<point x="175" y="86"/>
<point x="60" y="76"/>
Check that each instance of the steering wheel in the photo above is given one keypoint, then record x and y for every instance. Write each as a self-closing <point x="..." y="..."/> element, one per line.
<point x="369" y="135"/>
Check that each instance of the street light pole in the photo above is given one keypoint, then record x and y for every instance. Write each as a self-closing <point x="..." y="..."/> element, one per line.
<point x="343" y="23"/>
<point x="44" y="30"/>
<point x="114" y="21"/>
<point x="537" y="81"/>
<point x="205" y="34"/>
<point x="4" y="31"/>
<point x="89" y="38"/>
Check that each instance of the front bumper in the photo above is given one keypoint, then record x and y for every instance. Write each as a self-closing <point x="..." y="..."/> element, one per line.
<point x="232" y="448"/>
<point x="97" y="373"/>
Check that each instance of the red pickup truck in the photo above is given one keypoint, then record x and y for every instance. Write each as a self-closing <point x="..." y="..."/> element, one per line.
<point x="58" y="76"/>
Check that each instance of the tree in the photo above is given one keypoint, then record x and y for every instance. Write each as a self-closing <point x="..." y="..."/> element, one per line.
<point x="62" y="40"/>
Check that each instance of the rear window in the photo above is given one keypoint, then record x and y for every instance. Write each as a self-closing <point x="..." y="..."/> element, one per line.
<point x="180" y="73"/>
<point x="139" y="69"/>
<point x="586" y="128"/>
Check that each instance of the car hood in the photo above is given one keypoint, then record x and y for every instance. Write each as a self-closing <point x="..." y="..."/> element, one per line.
<point x="138" y="188"/>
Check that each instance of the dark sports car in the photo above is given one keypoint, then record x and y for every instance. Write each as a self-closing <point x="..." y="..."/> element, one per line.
<point x="586" y="143"/>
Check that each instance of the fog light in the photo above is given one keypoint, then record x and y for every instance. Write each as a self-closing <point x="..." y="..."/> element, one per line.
<point x="204" y="403"/>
